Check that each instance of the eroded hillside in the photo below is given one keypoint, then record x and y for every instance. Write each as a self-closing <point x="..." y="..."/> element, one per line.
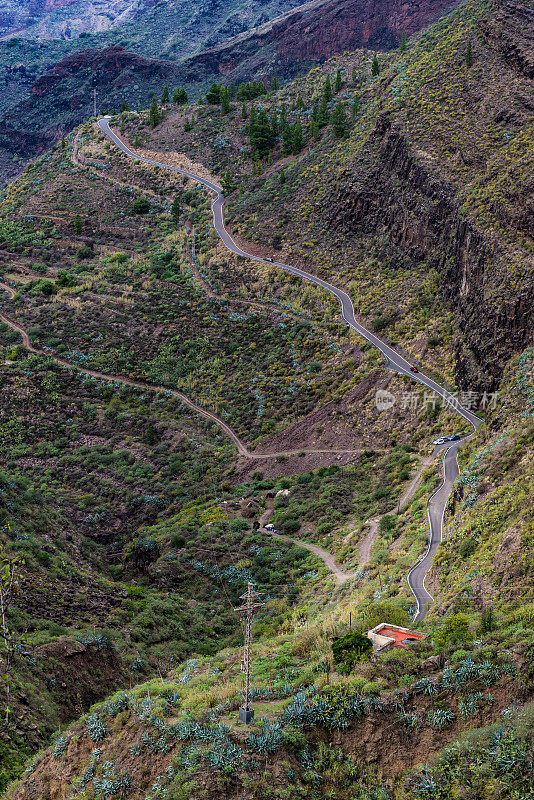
<point x="159" y="408"/>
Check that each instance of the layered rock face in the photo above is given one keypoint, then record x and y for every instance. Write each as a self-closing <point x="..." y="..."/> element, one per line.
<point x="511" y="33"/>
<point x="317" y="31"/>
<point x="416" y="211"/>
<point x="44" y="19"/>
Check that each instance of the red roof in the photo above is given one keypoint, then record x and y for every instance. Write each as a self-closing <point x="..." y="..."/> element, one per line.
<point x="401" y="637"/>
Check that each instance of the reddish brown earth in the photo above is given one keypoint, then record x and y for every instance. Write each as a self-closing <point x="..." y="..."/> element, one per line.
<point x="305" y="36"/>
<point x="320" y="30"/>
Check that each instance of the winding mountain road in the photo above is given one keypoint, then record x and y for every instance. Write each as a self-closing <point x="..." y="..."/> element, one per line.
<point x="394" y="361"/>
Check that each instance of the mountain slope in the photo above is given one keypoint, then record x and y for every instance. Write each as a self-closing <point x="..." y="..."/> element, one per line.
<point x="63" y="96"/>
<point x="136" y="516"/>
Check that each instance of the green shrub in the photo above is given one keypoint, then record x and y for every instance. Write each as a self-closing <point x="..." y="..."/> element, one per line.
<point x="467" y="547"/>
<point x="294" y="738"/>
<point x="350" y="649"/>
<point x="454" y="631"/>
<point x="140" y="206"/>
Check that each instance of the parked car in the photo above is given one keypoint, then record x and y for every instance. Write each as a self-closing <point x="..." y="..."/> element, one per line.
<point x="441" y="440"/>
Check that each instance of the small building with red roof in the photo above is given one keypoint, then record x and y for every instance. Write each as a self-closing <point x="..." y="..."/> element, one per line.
<point x="386" y="636"/>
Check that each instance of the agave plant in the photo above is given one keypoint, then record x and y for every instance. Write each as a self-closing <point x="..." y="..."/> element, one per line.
<point x="60" y="747"/>
<point x="270" y="739"/>
<point x="425" y="686"/>
<point x="440" y="718"/>
<point x="96" y="728"/>
<point x="114" y="707"/>
<point x="469" y="704"/>
<point x="408" y="720"/>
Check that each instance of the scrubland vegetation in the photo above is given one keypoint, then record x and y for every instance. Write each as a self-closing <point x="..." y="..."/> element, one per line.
<point x="129" y="524"/>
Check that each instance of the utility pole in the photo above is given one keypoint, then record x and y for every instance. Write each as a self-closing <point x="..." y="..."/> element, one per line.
<point x="246" y="714"/>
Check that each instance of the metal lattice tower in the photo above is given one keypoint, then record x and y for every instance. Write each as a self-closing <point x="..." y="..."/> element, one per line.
<point x="246" y="714"/>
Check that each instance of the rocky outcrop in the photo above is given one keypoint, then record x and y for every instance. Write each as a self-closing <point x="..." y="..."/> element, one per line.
<point x="510" y="32"/>
<point x="41" y="16"/>
<point x="63" y="98"/>
<point x="317" y="31"/>
<point x="108" y="67"/>
<point x="402" y="200"/>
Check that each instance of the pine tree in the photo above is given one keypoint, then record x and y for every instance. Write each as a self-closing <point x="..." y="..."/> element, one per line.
<point x="355" y="107"/>
<point x="125" y="107"/>
<point x="137" y="142"/>
<point x="274" y="123"/>
<point x="165" y="95"/>
<point x="213" y="97"/>
<point x="260" y="133"/>
<point x="469" y="55"/>
<point x="327" y="90"/>
<point x="275" y="83"/>
<point x="180" y="96"/>
<point x="282" y="175"/>
<point x="287" y="141"/>
<point x="176" y="209"/>
<point x="403" y="44"/>
<point x="228" y="183"/>
<point x="339" y="121"/>
<point x="225" y="101"/>
<point x="375" y="66"/>
<point x="150" y="434"/>
<point x="154" y="113"/>
<point x="283" y="116"/>
<point x="296" y="138"/>
<point x="338" y="81"/>
<point x="323" y="114"/>
<point x="244" y="111"/>
<point x="300" y="103"/>
<point x="78" y="224"/>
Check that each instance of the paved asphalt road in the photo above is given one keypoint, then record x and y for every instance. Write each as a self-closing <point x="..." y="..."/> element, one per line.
<point x="394" y="361"/>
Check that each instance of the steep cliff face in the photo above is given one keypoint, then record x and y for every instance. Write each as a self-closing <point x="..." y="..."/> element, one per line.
<point x="56" y="18"/>
<point x="319" y="30"/>
<point x="63" y="97"/>
<point x="511" y="33"/>
<point x="403" y="199"/>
